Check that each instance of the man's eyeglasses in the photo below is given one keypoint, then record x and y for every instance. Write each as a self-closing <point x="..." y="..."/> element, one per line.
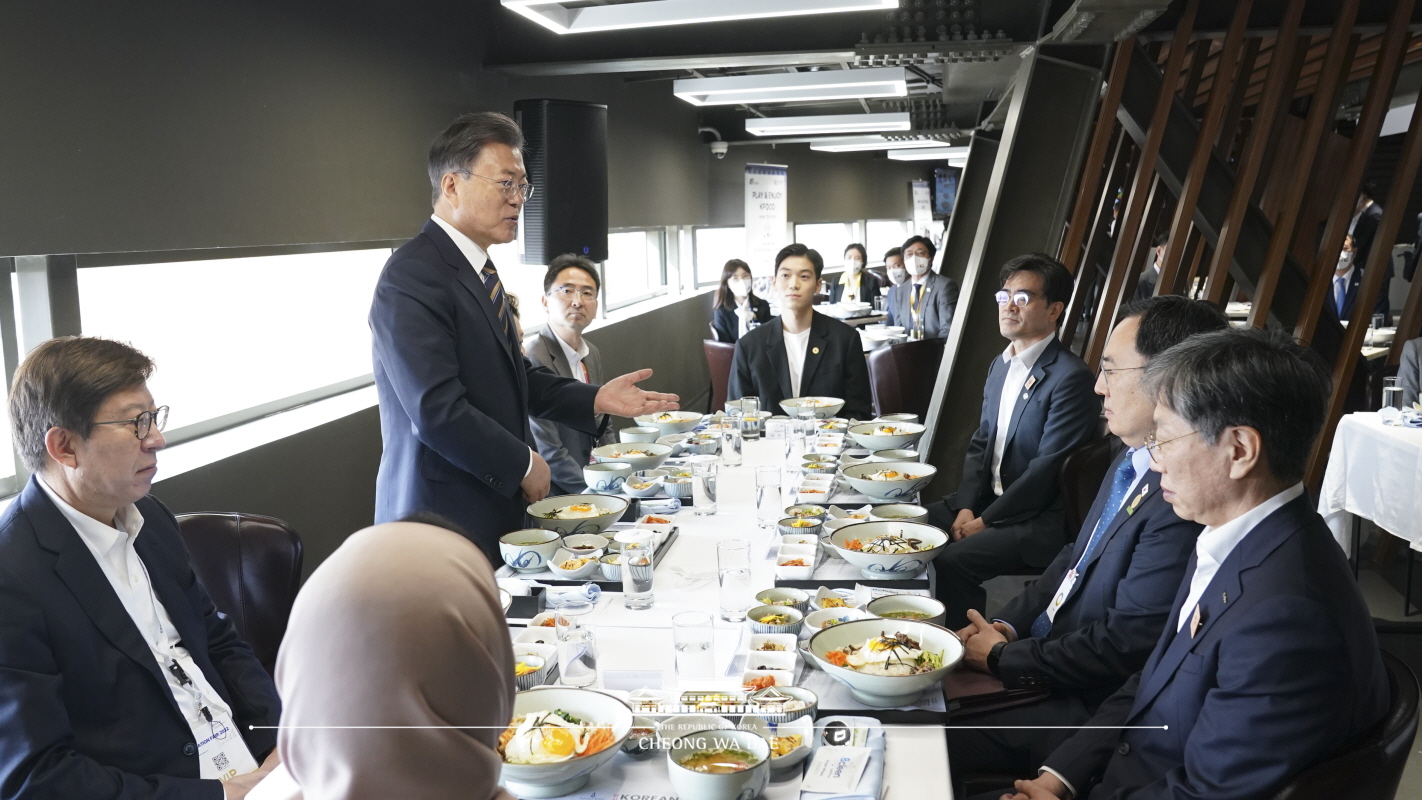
<point x="144" y="423"/>
<point x="1107" y="373"/>
<point x="1018" y="298"/>
<point x="510" y="189"/>
<point x="1153" y="445"/>
<point x="569" y="292"/>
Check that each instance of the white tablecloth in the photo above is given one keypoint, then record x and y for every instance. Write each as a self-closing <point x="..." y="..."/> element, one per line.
<point x="685" y="580"/>
<point x="1374" y="471"/>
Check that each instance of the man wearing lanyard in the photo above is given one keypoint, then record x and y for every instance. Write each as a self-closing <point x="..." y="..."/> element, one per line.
<point x="1268" y="662"/>
<point x="570" y="297"/>
<point x="1092" y="618"/>
<point x="926" y="304"/>
<point x="120" y="679"/>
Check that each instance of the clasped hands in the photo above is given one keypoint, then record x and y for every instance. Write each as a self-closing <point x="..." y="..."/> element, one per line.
<point x="980" y="636"/>
<point x="966" y="524"/>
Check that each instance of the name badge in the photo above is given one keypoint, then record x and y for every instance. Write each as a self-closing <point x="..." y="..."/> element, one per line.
<point x="222" y="753"/>
<point x="1062" y="592"/>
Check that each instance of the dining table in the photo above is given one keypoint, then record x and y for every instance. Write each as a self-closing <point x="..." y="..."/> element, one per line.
<point x="635" y="647"/>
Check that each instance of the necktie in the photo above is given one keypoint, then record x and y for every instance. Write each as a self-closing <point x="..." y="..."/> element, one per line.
<point x="1120" y="484"/>
<point x="497" y="296"/>
<point x="1339" y="292"/>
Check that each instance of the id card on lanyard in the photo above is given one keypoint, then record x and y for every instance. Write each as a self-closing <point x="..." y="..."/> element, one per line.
<point x="222" y="753"/>
<point x="1068" y="581"/>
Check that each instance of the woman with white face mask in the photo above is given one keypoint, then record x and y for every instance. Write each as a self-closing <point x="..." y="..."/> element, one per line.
<point x="924" y="304"/>
<point x="736" y="309"/>
<point x="856" y="283"/>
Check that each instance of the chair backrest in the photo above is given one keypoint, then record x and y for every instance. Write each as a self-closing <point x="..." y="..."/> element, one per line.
<point x="719" y="356"/>
<point x="251" y="568"/>
<point x="901" y="376"/>
<point x="1371" y="768"/>
<point x="1082" y="472"/>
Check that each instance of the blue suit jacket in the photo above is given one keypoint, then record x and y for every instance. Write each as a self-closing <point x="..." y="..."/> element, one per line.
<point x="1350" y="296"/>
<point x="85" y="712"/>
<point x="1111" y="620"/>
<point x="1058" y="413"/>
<point x="1283" y="671"/>
<point x="454" y="398"/>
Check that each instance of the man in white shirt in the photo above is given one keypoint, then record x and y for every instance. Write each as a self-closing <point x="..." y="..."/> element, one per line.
<point x="570" y="289"/>
<point x="1269" y="662"/>
<point x="120" y="678"/>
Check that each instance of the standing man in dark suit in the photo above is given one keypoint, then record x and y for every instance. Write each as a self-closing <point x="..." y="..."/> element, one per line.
<point x="801" y="353"/>
<point x="1268" y="662"/>
<point x="1363" y="227"/>
<point x="570" y="290"/>
<point x="925" y="304"/>
<point x="1092" y="618"/>
<point x="1038" y="406"/>
<point x="119" y="677"/>
<point x="1347" y="277"/>
<point x="455" y="393"/>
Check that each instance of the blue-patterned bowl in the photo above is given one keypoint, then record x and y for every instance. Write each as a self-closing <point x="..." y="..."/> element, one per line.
<point x="529" y="550"/>
<point x="606" y="476"/>
<point x="889" y="566"/>
<point x="610" y="510"/>
<point x="913" y="476"/>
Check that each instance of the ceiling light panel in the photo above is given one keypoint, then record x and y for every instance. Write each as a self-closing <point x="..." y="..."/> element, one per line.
<point x="854" y="144"/>
<point x="829" y="123"/>
<point x="790" y="87"/>
<point x="557" y="17"/>
<point x="957" y="156"/>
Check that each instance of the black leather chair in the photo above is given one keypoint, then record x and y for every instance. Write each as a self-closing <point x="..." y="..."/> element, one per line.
<point x="901" y="376"/>
<point x="251" y="567"/>
<point x="719" y="358"/>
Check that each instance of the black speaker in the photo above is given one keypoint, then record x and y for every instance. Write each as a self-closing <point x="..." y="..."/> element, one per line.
<point x="565" y="152"/>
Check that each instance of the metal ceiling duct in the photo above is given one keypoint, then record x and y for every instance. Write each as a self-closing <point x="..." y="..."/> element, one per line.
<point x="1100" y="21"/>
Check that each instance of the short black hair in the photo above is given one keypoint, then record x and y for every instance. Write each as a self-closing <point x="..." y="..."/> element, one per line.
<point x="1370" y="189"/>
<point x="570" y="261"/>
<point x="1056" y="280"/>
<point x="1170" y="319"/>
<point x="893" y="252"/>
<point x="1249" y="378"/>
<point x="802" y="251"/>
<point x="863" y="254"/>
<point x="923" y="240"/>
<point x="1161" y="239"/>
<point x="458" y="145"/>
<point x="431" y="518"/>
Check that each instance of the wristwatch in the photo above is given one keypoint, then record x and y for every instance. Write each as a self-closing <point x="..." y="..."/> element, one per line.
<point x="994" y="655"/>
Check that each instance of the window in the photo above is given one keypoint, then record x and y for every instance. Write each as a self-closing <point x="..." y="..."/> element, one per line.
<point x="522" y="281"/>
<point x="884" y="235"/>
<point x="231" y="334"/>
<point x="829" y="239"/>
<point x="635" y="268"/>
<point x="714" y="247"/>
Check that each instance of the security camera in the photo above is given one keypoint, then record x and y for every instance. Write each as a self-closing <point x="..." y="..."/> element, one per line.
<point x="720" y="148"/>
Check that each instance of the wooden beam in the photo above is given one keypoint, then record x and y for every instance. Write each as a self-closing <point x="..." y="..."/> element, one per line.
<point x="1199" y="57"/>
<point x="1204" y="147"/>
<point x="1320" y="117"/>
<point x="1345" y="196"/>
<point x="1376" y="268"/>
<point x="1229" y="128"/>
<point x="1095" y="164"/>
<point x="1096" y="242"/>
<point x="1130" y="219"/>
<point x="1251" y="159"/>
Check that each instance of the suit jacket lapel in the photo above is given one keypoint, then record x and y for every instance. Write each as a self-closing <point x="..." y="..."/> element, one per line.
<point x="814" y="351"/>
<point x="556" y="356"/>
<point x="1093" y="517"/>
<point x="778" y="361"/>
<point x="992" y="399"/>
<point x="1139" y="495"/>
<point x="1036" y="377"/>
<point x="468" y="276"/>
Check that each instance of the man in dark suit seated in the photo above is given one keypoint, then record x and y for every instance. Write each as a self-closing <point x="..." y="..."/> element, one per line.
<point x="895" y="275"/>
<point x="801" y="353"/>
<point x="1093" y="617"/>
<point x="119" y="678"/>
<point x="1268" y="662"/>
<point x="926" y="303"/>
<point x="1038" y="406"/>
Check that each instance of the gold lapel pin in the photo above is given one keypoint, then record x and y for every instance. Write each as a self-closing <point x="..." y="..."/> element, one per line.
<point x="816" y="351"/>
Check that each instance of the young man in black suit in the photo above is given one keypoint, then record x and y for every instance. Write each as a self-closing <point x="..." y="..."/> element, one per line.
<point x="801" y="353"/>
<point x="1038" y="406"/>
<point x="119" y="677"/>
<point x="1094" y="615"/>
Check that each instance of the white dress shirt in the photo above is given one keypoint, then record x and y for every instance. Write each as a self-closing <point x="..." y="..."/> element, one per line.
<point x="113" y="548"/>
<point x="575" y="357"/>
<point x="795" y="346"/>
<point x="744" y="316"/>
<point x="1215" y="545"/>
<point x="1019" y="366"/>
<point x="476" y="257"/>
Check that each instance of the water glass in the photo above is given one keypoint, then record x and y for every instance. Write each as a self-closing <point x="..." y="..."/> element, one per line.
<point x="703" y="487"/>
<point x="694" y="637"/>
<point x="767" y="496"/>
<point x="733" y="570"/>
<point x="750" y="411"/>
<point x="1391" y="394"/>
<point x="637" y="570"/>
<point x="577" y="648"/>
<point x="731" y="443"/>
<point x="1377" y="321"/>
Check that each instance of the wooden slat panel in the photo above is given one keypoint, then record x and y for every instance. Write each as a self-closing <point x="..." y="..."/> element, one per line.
<point x="1095" y="163"/>
<point x="1229" y="128"/>
<point x="1199" y="57"/>
<point x="1096" y="243"/>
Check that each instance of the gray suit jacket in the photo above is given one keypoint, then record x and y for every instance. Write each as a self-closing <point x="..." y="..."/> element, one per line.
<point x="1409" y="372"/>
<point x="566" y="449"/>
<point x="940" y="298"/>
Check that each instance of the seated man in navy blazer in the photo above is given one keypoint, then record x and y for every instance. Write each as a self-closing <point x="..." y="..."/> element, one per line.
<point x="1093" y="617"/>
<point x="801" y="353"/>
<point x="119" y="678"/>
<point x="1038" y="406"/>
<point x="1268" y="662"/>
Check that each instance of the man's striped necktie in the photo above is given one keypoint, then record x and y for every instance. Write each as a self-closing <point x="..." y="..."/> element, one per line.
<point x="497" y="296"/>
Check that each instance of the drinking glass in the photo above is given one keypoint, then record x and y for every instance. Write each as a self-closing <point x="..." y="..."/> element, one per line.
<point x="1391" y="394"/>
<point x="731" y="443"/>
<point x="733" y="570"/>
<point x="637" y="570"/>
<point x="693" y="637"/>
<point x="577" y="648"/>
<point x="767" y="496"/>
<point x="750" y="411"/>
<point x="703" y="487"/>
<point x="1377" y="321"/>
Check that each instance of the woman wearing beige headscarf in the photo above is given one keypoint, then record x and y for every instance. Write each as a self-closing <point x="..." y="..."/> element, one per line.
<point x="401" y="626"/>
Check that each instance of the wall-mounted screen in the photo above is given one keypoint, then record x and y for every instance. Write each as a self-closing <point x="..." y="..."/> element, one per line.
<point x="945" y="190"/>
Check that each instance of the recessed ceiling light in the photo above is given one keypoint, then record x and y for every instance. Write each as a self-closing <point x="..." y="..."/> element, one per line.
<point x="829" y="123"/>
<point x="853" y="144"/>
<point x="953" y="154"/>
<point x="556" y="17"/>
<point x="789" y="87"/>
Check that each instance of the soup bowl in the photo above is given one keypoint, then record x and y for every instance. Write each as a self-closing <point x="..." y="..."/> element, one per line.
<point x="749" y="748"/>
